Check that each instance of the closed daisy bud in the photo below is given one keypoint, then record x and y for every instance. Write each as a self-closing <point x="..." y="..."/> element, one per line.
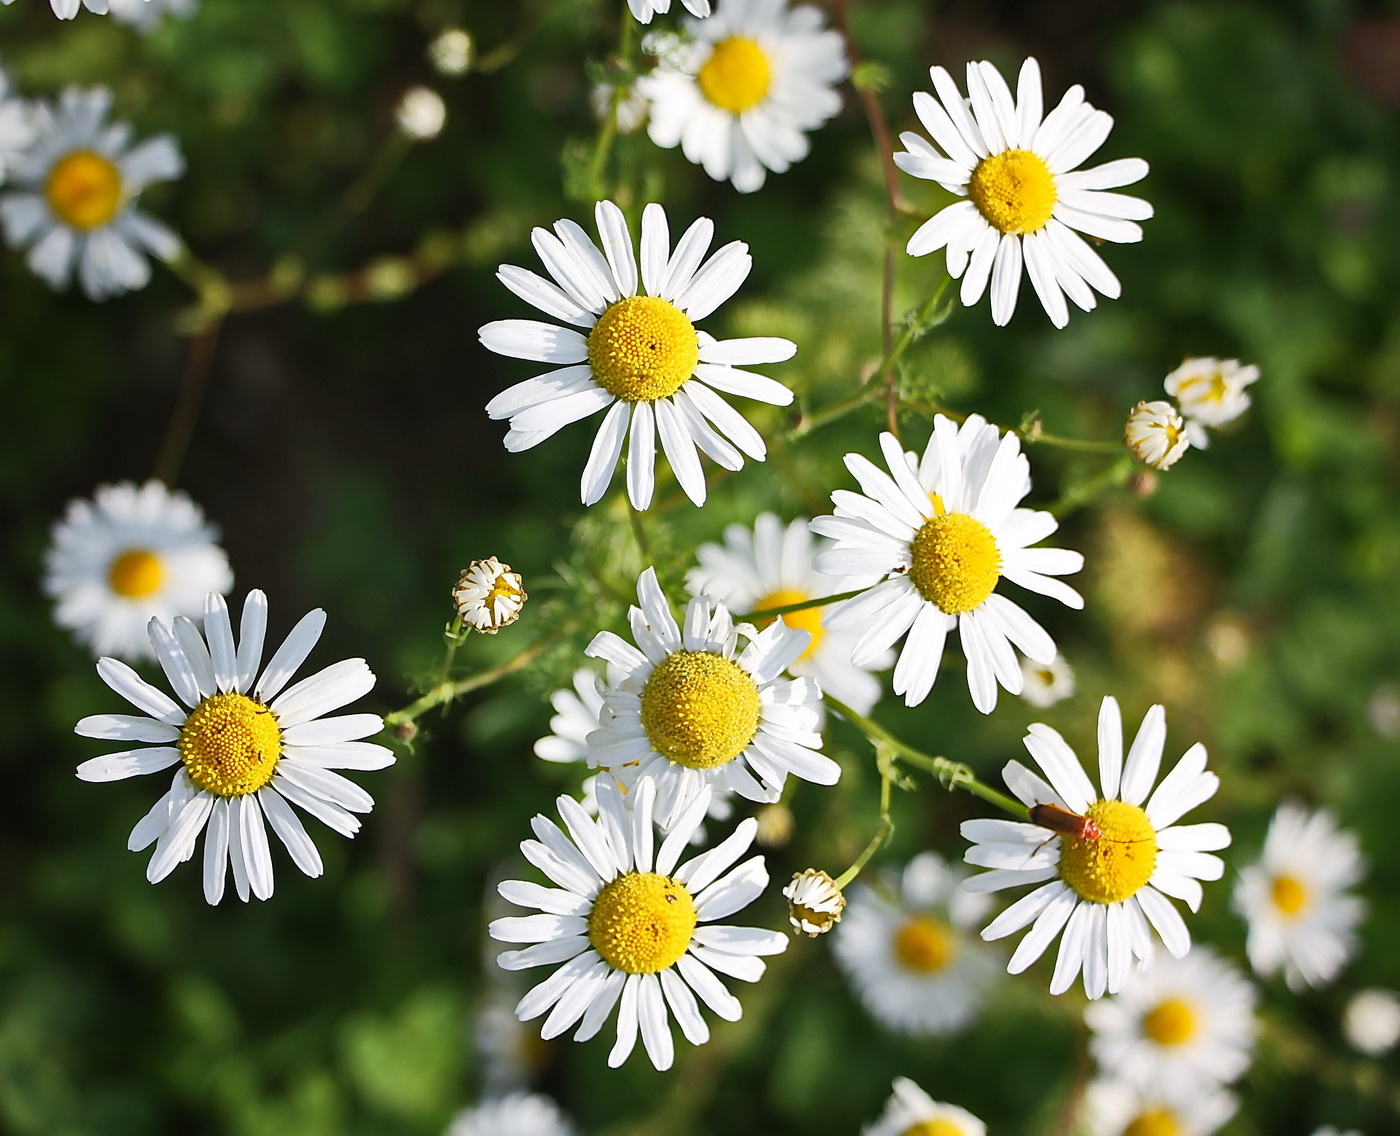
<point x="452" y="52"/>
<point x="815" y="902"/>
<point x="1156" y="434"/>
<point x="489" y="595"/>
<point x="421" y="114"/>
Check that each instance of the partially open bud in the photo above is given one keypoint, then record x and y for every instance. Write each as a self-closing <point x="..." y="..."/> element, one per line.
<point x="1156" y="434"/>
<point x="489" y="595"/>
<point x="421" y="113"/>
<point x="815" y="902"/>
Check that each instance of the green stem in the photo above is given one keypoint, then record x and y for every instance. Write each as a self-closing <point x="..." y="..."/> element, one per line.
<point x="882" y="834"/>
<point x="800" y="605"/>
<point x="445" y="692"/>
<point x="639" y="533"/>
<point x="1080" y="444"/>
<point x="607" y="132"/>
<point x="1078" y="496"/>
<point x="915" y="327"/>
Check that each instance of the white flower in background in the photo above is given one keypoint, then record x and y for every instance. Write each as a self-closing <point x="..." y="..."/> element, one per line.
<point x="691" y="711"/>
<point x="76" y="188"/>
<point x="147" y="15"/>
<point x="1383" y="710"/>
<point x="67" y="9"/>
<point x="1211" y="392"/>
<point x="909" y="949"/>
<point x="451" y="53"/>
<point x="1119" y="1108"/>
<point x="16" y="130"/>
<point x="126" y="556"/>
<point x="770" y="566"/>
<point x="629" y="925"/>
<point x="912" y="1112"/>
<point x="1328" y="1130"/>
<point x="489" y="596"/>
<point x="815" y="902"/>
<point x="632" y="105"/>
<point x="246" y="748"/>
<point x="1106" y="886"/>
<point x="1025" y="197"/>
<point x="639" y="355"/>
<point x="946" y="530"/>
<point x="519" y="1114"/>
<point x="1371" y="1022"/>
<point x="1156" y="435"/>
<point x="1301" y="918"/>
<point x="1044" y="684"/>
<point x="1178" y="1026"/>
<point x="644" y="10"/>
<point x="740" y="100"/>
<point x="421" y="114"/>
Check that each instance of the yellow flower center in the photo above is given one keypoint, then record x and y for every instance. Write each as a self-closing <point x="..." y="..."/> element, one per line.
<point x="642" y="922"/>
<point x="1289" y="895"/>
<point x="736" y="76"/>
<point x="956" y="562"/>
<point x="1119" y="862"/>
<point x="136" y="574"/>
<point x="1173" y="1022"/>
<point x="84" y="190"/>
<point x="643" y="348"/>
<point x="230" y="745"/>
<point x="925" y="945"/>
<point x="1155" y="1122"/>
<point x="1014" y="190"/>
<point x="934" y="1128"/>
<point x="700" y="709"/>
<point x="809" y="619"/>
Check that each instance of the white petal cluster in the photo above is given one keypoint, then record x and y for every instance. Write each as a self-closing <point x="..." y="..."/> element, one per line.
<point x="1156" y="434"/>
<point x="1210" y="392"/>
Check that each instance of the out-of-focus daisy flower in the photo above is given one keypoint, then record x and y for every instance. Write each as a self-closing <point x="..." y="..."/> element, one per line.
<point x="1295" y="900"/>
<point x="628" y="924"/>
<point x="690" y="710"/>
<point x="147" y="15"/>
<point x="1107" y="886"/>
<point x="632" y="105"/>
<point x="126" y="556"/>
<point x="452" y="52"/>
<point x="908" y="949"/>
<point x="1025" y="197"/>
<point x="912" y="1112"/>
<point x="1371" y="1022"/>
<point x="1044" y="684"/>
<point x="489" y="595"/>
<point x="1156" y="434"/>
<point x="519" y="1114"/>
<point x="1383" y="710"/>
<point x="755" y="78"/>
<point x="639" y="355"/>
<point x="16" y="131"/>
<point x="1119" y="1108"/>
<point x="246" y="748"/>
<point x="644" y="10"/>
<point x="421" y="113"/>
<point x="1178" y="1025"/>
<point x="74" y="207"/>
<point x="770" y="566"/>
<point x="1328" y="1130"/>
<point x="946" y="530"/>
<point x="1211" y="392"/>
<point x="815" y="902"/>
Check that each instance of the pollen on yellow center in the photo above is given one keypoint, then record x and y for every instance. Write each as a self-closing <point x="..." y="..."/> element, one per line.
<point x="1014" y="190"/>
<point x="1289" y="895"/>
<point x="642" y="922"/>
<point x="1172" y="1022"/>
<point x="1154" y="1122"/>
<point x="643" y="348"/>
<point x="700" y="709"/>
<point x="809" y="619"/>
<point x="1119" y="862"/>
<point x="934" y="1128"/>
<point x="956" y="562"/>
<point x="136" y="573"/>
<point x="230" y="745"/>
<point x="84" y="190"/>
<point x="925" y="945"/>
<point x="736" y="76"/>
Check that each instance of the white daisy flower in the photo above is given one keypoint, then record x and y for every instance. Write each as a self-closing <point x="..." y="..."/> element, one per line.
<point x="1177" y="1026"/>
<point x="946" y="530"/>
<point x="1371" y="1022"/>
<point x="489" y="596"/>
<point x="771" y="566"/>
<point x="1301" y="918"/>
<point x="16" y="129"/>
<point x="126" y="556"/>
<point x="644" y="10"/>
<point x="690" y="710"/>
<point x="628" y="924"/>
<point x="246" y="748"/>
<point x="1112" y="865"/>
<point x="148" y="15"/>
<point x="1026" y="199"/>
<point x="639" y="354"/>
<point x="1044" y="684"/>
<point x="912" y="1112"/>
<point x="519" y="1114"/>
<point x="77" y="185"/>
<point x="755" y="78"/>
<point x="1211" y="392"/>
<point x="908" y="949"/>
<point x="1156" y="434"/>
<point x="1119" y="1108"/>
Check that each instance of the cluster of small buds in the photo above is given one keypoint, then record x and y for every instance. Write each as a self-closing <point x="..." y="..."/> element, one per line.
<point x="815" y="902"/>
<point x="489" y="595"/>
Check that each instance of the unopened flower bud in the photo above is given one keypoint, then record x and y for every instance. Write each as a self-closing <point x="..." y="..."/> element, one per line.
<point x="452" y="52"/>
<point x="1372" y="1021"/>
<point x="489" y="595"/>
<point x="1156" y="434"/>
<point x="421" y="113"/>
<point x="815" y="902"/>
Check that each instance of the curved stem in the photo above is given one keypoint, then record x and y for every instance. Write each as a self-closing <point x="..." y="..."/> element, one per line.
<point x="800" y="605"/>
<point x="883" y="830"/>
<point x="193" y="386"/>
<point x="445" y="692"/>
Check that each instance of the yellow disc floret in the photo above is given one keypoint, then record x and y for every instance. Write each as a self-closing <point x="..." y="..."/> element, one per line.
<point x="1172" y="1022"/>
<point x="1156" y="1122"/>
<point x="956" y="562"/>
<point x="934" y="1128"/>
<point x="84" y="190"/>
<point x="230" y="745"/>
<point x="136" y="574"/>
<point x="642" y="922"/>
<point x="1014" y="190"/>
<point x="736" y="76"/>
<point x="809" y="619"/>
<point x="1289" y="895"/>
<point x="700" y="709"/>
<point x="925" y="945"/>
<point x="643" y="348"/>
<point x="1119" y="862"/>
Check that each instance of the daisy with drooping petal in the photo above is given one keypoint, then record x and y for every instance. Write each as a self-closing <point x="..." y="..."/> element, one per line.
<point x="1177" y="1026"/>
<point x="1118" y="1108"/>
<point x="639" y="355"/>
<point x="945" y="530"/>
<point x="912" y="1112"/>
<point x="74" y="208"/>
<point x="1211" y="392"/>
<point x="247" y="749"/>
<point x="1107" y="886"/>
<point x="1025" y="197"/>
<point x="687" y="708"/>
<point x="909" y="951"/>
<point x="628" y="923"/>
<point x="741" y="98"/>
<point x="770" y="566"/>
<point x="519" y="1114"/>
<point x="1301" y="918"/>
<point x="644" y="10"/>
<point x="129" y="555"/>
<point x="1044" y="684"/>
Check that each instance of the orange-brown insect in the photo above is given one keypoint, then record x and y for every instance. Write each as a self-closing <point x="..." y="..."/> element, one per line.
<point x="1063" y="821"/>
